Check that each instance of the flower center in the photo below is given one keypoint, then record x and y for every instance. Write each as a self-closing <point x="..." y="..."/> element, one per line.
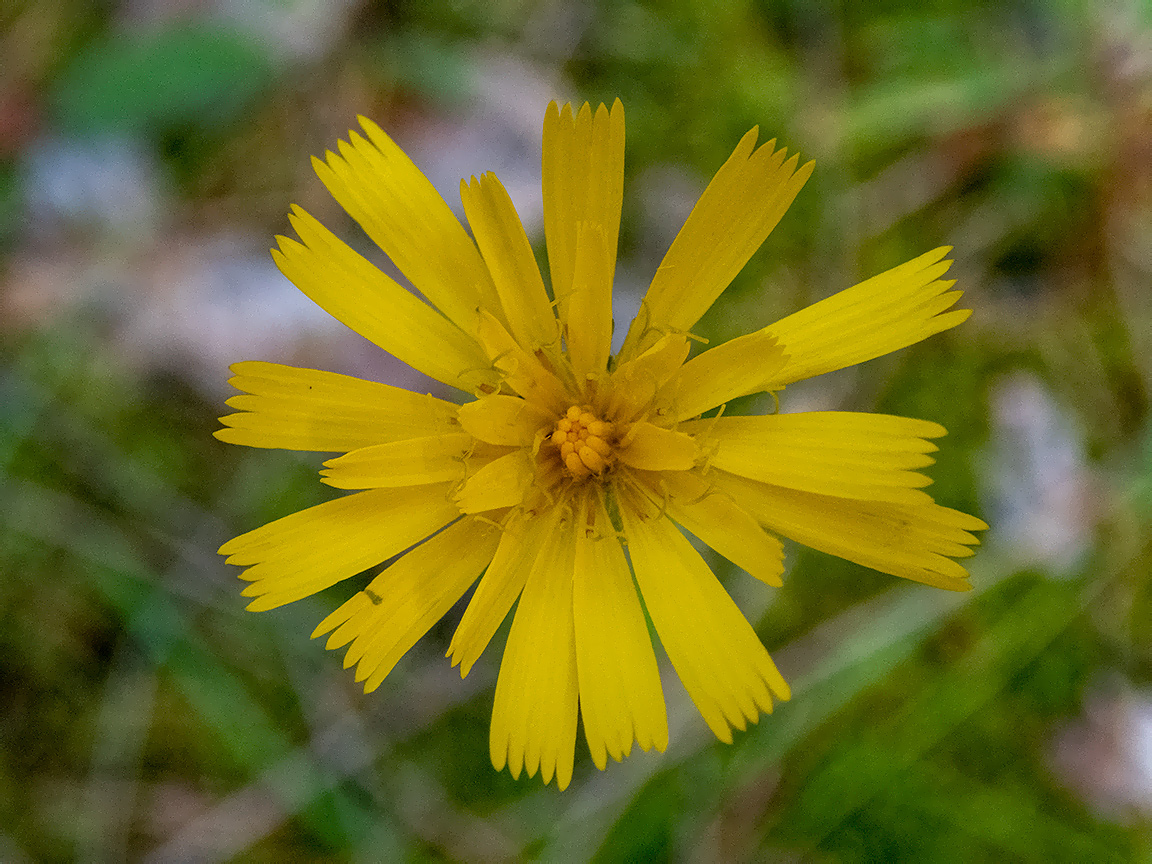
<point x="584" y="441"/>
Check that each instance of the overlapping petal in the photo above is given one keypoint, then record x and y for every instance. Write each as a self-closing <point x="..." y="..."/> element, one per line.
<point x="412" y="462"/>
<point x="883" y="314"/>
<point x="651" y="448"/>
<point x="589" y="324"/>
<point x="504" y="245"/>
<point x="381" y="188"/>
<point x="519" y="370"/>
<point x="915" y="542"/>
<point x="582" y="181"/>
<point x="636" y="383"/>
<point x="502" y="482"/>
<point x="305" y="409"/>
<point x="719" y="522"/>
<point x="522" y="543"/>
<point x="870" y="457"/>
<point x="534" y="711"/>
<point x="715" y="651"/>
<point x="388" y="617"/>
<point x="739" y="367"/>
<point x="313" y="549"/>
<point x="733" y="217"/>
<point x="352" y="290"/>
<point x="505" y="420"/>
<point x="621" y="699"/>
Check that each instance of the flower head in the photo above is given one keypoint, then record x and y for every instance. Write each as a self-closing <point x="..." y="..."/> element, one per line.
<point x="565" y="482"/>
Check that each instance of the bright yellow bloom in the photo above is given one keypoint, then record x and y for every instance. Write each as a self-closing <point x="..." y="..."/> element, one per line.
<point x="564" y="480"/>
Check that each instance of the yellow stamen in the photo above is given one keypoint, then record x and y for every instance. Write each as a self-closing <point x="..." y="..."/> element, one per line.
<point x="598" y="444"/>
<point x="575" y="467"/>
<point x="586" y="443"/>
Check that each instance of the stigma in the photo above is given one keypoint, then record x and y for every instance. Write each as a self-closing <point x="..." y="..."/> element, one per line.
<point x="585" y="442"/>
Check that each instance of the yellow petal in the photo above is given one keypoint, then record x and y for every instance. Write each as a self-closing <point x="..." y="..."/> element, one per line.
<point x="589" y="331"/>
<point x="388" y="617"/>
<point x="351" y="289"/>
<point x="534" y="711"/>
<point x="635" y="382"/>
<point x="715" y="651"/>
<point x="655" y="449"/>
<point x="504" y="245"/>
<point x="434" y="459"/>
<point x="506" y="420"/>
<point x="520" y="545"/>
<point x="914" y="542"/>
<point x="850" y="455"/>
<point x="500" y="483"/>
<point x="521" y="371"/>
<point x="620" y="694"/>
<point x="306" y="409"/>
<point x="744" y="365"/>
<point x="883" y="314"/>
<point x="403" y="213"/>
<point x="658" y="364"/>
<point x="731" y="220"/>
<point x="315" y="548"/>
<point x="582" y="180"/>
<point x="719" y="522"/>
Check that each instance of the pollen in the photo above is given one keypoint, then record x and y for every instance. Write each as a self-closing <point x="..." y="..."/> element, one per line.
<point x="584" y="442"/>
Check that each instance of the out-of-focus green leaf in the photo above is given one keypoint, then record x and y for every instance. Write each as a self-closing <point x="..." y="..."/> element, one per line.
<point x="890" y="112"/>
<point x="646" y="827"/>
<point x="432" y="66"/>
<point x="865" y="769"/>
<point x="190" y="74"/>
<point x="10" y="202"/>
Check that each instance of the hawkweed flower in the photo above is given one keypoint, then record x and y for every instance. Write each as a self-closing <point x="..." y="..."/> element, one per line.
<point x="565" y="481"/>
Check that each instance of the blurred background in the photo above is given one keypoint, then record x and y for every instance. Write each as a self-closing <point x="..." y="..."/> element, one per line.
<point x="149" y="150"/>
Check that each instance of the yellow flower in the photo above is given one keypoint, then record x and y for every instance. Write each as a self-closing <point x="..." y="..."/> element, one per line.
<point x="564" y="480"/>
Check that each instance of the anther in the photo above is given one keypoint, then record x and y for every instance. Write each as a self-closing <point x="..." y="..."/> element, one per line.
<point x="591" y="459"/>
<point x="599" y="428"/>
<point x="598" y="444"/>
<point x="585" y="442"/>
<point x="575" y="466"/>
